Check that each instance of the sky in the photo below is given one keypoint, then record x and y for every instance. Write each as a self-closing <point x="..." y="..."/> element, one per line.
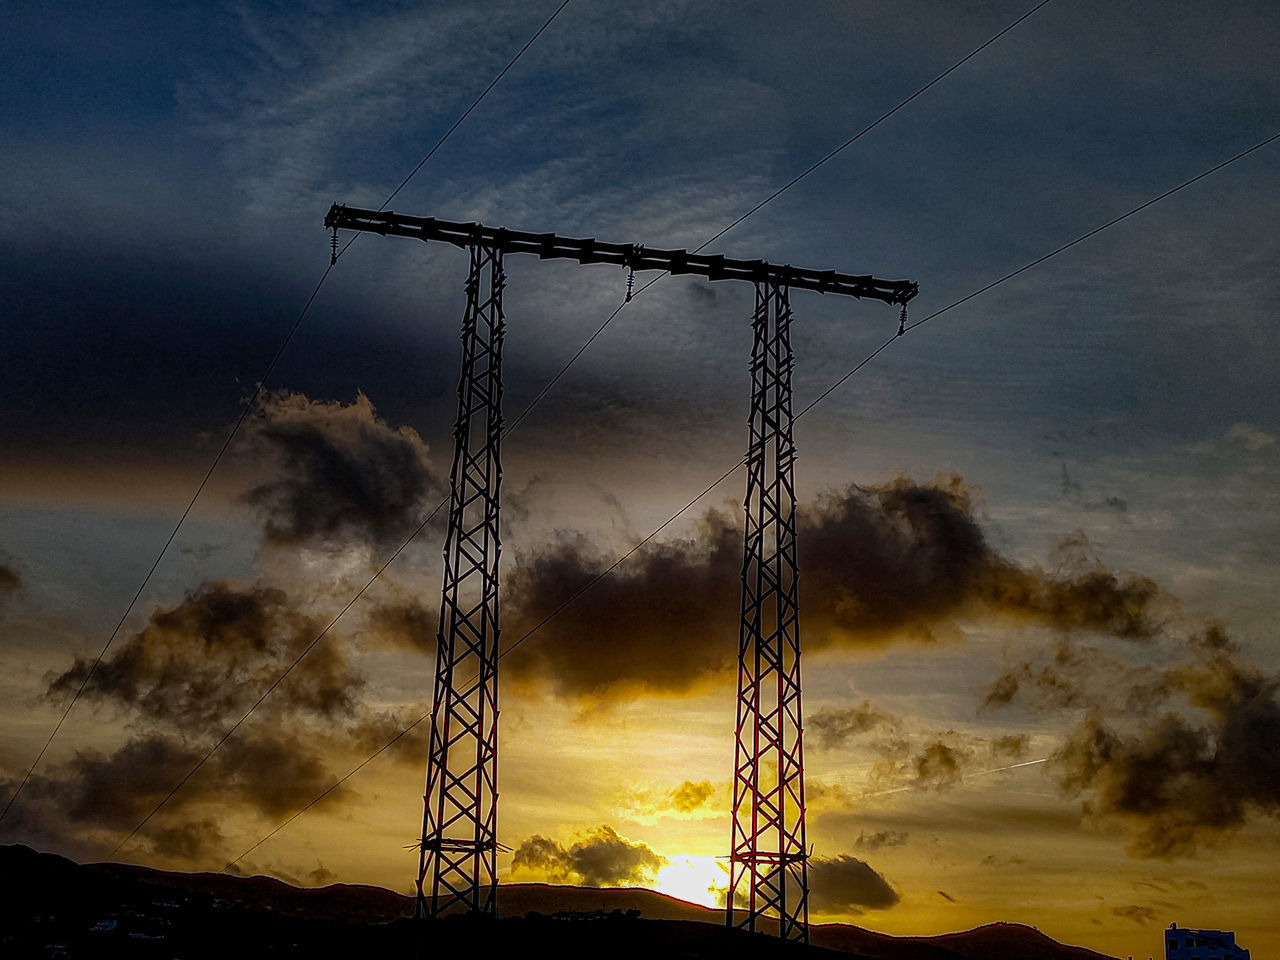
<point x="1037" y="537"/>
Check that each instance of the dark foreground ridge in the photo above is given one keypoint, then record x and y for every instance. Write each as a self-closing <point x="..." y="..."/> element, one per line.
<point x="58" y="908"/>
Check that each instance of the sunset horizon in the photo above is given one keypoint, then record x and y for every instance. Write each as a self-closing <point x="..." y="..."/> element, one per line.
<point x="822" y="463"/>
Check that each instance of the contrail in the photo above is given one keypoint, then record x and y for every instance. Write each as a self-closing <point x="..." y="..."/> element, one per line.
<point x="980" y="773"/>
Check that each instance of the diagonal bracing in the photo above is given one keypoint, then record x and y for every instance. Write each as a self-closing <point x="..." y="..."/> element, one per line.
<point x="768" y="868"/>
<point x="769" y="872"/>
<point x="457" y="870"/>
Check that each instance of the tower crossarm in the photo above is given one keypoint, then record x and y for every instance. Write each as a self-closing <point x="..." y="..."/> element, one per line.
<point x="550" y="246"/>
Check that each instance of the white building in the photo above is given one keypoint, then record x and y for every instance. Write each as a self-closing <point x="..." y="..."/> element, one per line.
<point x="1183" y="944"/>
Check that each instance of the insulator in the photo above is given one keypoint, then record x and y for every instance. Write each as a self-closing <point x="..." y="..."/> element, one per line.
<point x="631" y="283"/>
<point x="333" y="247"/>
<point x="902" y="321"/>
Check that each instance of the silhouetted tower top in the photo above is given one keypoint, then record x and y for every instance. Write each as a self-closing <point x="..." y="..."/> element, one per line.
<point x="636" y="256"/>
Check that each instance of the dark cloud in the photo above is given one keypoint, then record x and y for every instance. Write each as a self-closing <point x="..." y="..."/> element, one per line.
<point x="689" y="796"/>
<point x="201" y="662"/>
<point x="938" y="765"/>
<point x="273" y="773"/>
<point x="189" y="841"/>
<point x="10" y="582"/>
<point x="340" y="472"/>
<point x="1184" y="764"/>
<point x="822" y="797"/>
<point x="1141" y="915"/>
<point x="1077" y="676"/>
<point x="880" y="839"/>
<point x="845" y="884"/>
<point x="928" y="760"/>
<point x="116" y="790"/>
<point x="601" y="859"/>
<point x="404" y="624"/>
<point x="934" y="760"/>
<point x="835" y="727"/>
<point x="373" y="731"/>
<point x="899" y="558"/>
<point x="96" y="795"/>
<point x="878" y="564"/>
<point x="1013" y="746"/>
<point x="663" y="624"/>
<point x="991" y="860"/>
<point x="192" y="670"/>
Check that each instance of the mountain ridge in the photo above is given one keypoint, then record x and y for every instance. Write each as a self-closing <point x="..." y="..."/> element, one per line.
<point x="104" y="898"/>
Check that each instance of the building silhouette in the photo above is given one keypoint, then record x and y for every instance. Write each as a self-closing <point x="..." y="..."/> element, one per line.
<point x="1181" y="943"/>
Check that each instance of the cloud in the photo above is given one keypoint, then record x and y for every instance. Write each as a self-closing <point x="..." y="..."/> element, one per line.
<point x="96" y="795"/>
<point x="845" y="884"/>
<point x="1013" y="745"/>
<point x="880" y="839"/>
<point x="1079" y="675"/>
<point x="188" y="841"/>
<point x="835" y="727"/>
<point x="991" y="860"/>
<point x="374" y="731"/>
<point x="878" y="564"/>
<point x="822" y="797"/>
<point x="661" y="625"/>
<point x="10" y="582"/>
<point x="921" y="760"/>
<point x="1184" y="764"/>
<point x="405" y="624"/>
<point x="938" y="765"/>
<point x="181" y="681"/>
<point x="601" y="859"/>
<point x="200" y="662"/>
<point x="87" y="788"/>
<point x="647" y="803"/>
<point x="1141" y="915"/>
<point x="689" y="796"/>
<point x="340" y="472"/>
<point x="1073" y="491"/>
<point x="897" y="559"/>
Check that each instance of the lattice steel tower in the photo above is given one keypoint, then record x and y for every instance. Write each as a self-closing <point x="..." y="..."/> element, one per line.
<point x="457" y="870"/>
<point x="768" y="851"/>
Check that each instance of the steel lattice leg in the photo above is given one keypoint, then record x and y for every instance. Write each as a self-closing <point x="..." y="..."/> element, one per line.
<point x="768" y="864"/>
<point x="458" y="865"/>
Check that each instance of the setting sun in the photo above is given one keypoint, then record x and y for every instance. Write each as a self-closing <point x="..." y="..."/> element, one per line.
<point x="690" y="878"/>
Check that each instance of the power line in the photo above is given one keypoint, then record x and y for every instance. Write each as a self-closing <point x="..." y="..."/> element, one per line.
<point x="321" y="635"/>
<point x="691" y="503"/>
<point x="1039" y="260"/>
<point x="871" y="126"/>
<point x="530" y="632"/>
<point x="769" y="199"/>
<point x="249" y="406"/>
<point x="334" y="786"/>
<point x="244" y="413"/>
<point x="618" y="310"/>
<point x="871" y="356"/>
<point x="466" y="113"/>
<point x="622" y="559"/>
<point x="279" y="680"/>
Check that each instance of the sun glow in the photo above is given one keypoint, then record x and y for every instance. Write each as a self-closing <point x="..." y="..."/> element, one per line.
<point x="691" y="878"/>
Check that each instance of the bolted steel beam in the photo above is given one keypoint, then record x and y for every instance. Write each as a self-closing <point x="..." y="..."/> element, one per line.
<point x="550" y="246"/>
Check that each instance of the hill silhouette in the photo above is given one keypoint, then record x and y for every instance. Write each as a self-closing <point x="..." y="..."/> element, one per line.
<point x="60" y="908"/>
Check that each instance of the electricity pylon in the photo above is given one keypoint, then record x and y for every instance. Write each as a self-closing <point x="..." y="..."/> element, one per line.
<point x="768" y="850"/>
<point x="459" y="839"/>
<point x="458" y="868"/>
